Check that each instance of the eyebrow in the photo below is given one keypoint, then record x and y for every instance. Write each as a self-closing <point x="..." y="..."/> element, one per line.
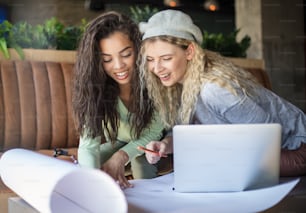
<point x="121" y="51"/>
<point x="168" y="54"/>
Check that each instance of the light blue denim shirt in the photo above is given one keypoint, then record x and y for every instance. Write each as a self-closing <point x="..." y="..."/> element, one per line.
<point x="217" y="105"/>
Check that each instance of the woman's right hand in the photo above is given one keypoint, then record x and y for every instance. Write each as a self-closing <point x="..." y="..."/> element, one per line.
<point x="163" y="147"/>
<point x="157" y="146"/>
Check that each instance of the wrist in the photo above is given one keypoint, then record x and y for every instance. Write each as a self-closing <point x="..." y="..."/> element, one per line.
<point x="124" y="157"/>
<point x="168" y="145"/>
<point x="164" y="144"/>
<point x="164" y="141"/>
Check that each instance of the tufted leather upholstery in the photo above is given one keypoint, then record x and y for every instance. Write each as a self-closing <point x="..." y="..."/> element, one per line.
<point x="261" y="76"/>
<point x="35" y="105"/>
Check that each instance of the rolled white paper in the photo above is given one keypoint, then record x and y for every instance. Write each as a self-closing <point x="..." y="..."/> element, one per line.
<point x="52" y="185"/>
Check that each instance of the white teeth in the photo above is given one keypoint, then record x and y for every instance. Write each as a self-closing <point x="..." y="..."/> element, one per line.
<point x="165" y="75"/>
<point x="121" y="74"/>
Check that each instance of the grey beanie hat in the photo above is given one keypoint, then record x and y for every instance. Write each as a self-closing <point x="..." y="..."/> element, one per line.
<point x="173" y="23"/>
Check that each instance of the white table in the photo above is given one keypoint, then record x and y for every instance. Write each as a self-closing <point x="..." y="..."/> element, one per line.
<point x="18" y="205"/>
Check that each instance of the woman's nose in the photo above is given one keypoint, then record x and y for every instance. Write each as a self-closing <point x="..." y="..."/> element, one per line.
<point x="157" y="67"/>
<point x="118" y="63"/>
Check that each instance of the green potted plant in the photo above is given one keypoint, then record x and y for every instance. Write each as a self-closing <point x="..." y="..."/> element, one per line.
<point x="226" y="44"/>
<point x="142" y="13"/>
<point x="5" y="30"/>
<point x="51" y="35"/>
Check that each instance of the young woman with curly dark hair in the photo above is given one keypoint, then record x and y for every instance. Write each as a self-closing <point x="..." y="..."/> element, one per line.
<point x="110" y="119"/>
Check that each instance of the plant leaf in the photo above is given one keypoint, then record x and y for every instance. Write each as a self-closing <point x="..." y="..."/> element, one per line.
<point x="3" y="48"/>
<point x="19" y="51"/>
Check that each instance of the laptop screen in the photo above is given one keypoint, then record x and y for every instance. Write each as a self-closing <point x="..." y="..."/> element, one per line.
<point x="226" y="157"/>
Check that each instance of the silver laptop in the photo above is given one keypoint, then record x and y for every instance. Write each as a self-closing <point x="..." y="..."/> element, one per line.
<point x="226" y="157"/>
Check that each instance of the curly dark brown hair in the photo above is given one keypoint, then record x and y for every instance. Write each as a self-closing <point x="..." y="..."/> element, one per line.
<point x="94" y="93"/>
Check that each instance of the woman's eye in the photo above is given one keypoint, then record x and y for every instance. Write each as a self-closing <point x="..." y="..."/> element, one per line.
<point x="126" y="55"/>
<point x="106" y="60"/>
<point x="167" y="58"/>
<point x="149" y="59"/>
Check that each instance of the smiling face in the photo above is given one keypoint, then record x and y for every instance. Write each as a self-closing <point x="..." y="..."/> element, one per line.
<point x="168" y="61"/>
<point x="118" y="57"/>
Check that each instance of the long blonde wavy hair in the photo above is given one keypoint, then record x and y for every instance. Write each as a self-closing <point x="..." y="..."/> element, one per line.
<point x="176" y="104"/>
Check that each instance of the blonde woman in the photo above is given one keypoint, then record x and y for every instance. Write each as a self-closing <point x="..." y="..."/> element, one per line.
<point x="190" y="85"/>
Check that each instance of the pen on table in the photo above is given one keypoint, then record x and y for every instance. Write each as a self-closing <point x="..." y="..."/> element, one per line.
<point x="149" y="150"/>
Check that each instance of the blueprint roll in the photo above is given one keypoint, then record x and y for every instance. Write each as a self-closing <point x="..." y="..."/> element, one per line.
<point x="52" y="185"/>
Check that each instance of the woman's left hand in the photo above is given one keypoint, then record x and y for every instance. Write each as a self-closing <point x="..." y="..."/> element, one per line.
<point x="115" y="167"/>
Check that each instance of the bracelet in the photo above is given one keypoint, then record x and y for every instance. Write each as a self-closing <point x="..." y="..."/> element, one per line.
<point x="57" y="152"/>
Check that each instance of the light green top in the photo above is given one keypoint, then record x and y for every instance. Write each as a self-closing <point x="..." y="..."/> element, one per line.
<point x="89" y="148"/>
